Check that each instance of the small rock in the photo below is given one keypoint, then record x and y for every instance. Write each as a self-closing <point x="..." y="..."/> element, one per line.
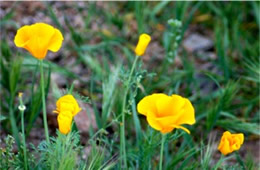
<point x="83" y="121"/>
<point x="206" y="56"/>
<point x="196" y="42"/>
<point x="58" y="79"/>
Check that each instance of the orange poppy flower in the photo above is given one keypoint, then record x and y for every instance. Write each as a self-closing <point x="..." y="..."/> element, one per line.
<point x="165" y="113"/>
<point x="67" y="108"/>
<point x="38" y="38"/>
<point x="230" y="142"/>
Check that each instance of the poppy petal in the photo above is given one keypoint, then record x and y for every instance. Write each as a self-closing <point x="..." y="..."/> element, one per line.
<point x="164" y="106"/>
<point x="147" y="104"/>
<point x="22" y="36"/>
<point x="56" y="41"/>
<point x="151" y="119"/>
<point x="64" y="122"/>
<point x="181" y="127"/>
<point x="187" y="114"/>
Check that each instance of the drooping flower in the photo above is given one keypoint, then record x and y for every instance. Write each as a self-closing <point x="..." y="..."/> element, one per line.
<point x="64" y="122"/>
<point x="230" y="142"/>
<point x="69" y="104"/>
<point x="67" y="108"/>
<point x="165" y="113"/>
<point x="38" y="38"/>
<point x="142" y="44"/>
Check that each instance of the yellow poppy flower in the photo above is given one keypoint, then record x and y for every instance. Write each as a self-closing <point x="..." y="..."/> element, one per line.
<point x="67" y="108"/>
<point x="230" y="142"/>
<point x="142" y="44"/>
<point x="164" y="113"/>
<point x="64" y="122"/>
<point x="69" y="104"/>
<point x="38" y="38"/>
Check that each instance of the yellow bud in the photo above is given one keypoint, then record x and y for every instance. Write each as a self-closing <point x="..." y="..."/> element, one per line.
<point x="143" y="42"/>
<point x="20" y="94"/>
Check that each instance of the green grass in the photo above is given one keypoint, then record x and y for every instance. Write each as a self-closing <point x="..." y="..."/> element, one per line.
<point x="225" y="97"/>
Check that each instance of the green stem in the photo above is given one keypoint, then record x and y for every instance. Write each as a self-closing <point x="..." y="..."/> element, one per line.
<point x="122" y="127"/>
<point x="24" y="143"/>
<point x="161" y="153"/>
<point x="44" y="104"/>
<point x="22" y="108"/>
<point x="71" y="88"/>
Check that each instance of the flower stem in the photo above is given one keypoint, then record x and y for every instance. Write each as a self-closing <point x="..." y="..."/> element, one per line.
<point x="122" y="126"/>
<point x="44" y="104"/>
<point x="24" y="143"/>
<point x="22" y="108"/>
<point x="71" y="88"/>
<point x="161" y="153"/>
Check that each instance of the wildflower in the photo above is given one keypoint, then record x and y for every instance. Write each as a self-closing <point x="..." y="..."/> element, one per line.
<point x="64" y="122"/>
<point x="230" y="142"/>
<point x="21" y="107"/>
<point x="142" y="44"/>
<point x="164" y="113"/>
<point x="20" y="94"/>
<point x="67" y="103"/>
<point x="38" y="38"/>
<point x="67" y="108"/>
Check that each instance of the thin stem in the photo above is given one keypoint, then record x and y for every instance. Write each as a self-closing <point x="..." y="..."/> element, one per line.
<point x="122" y="125"/>
<point x="71" y="88"/>
<point x="22" y="108"/>
<point x="44" y="104"/>
<point x="161" y="153"/>
<point x="24" y="143"/>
